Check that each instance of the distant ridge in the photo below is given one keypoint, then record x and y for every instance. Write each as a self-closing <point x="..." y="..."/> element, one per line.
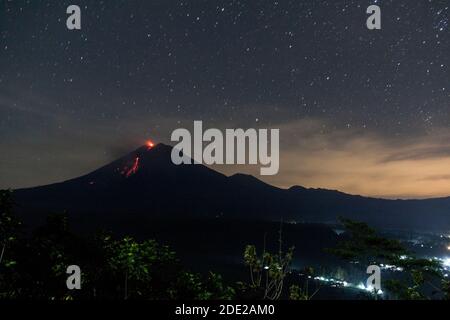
<point x="146" y="184"/>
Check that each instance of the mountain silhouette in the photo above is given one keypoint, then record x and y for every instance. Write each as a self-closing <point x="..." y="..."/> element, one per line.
<point x="146" y="184"/>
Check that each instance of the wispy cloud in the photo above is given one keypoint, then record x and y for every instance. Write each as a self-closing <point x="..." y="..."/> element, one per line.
<point x="362" y="162"/>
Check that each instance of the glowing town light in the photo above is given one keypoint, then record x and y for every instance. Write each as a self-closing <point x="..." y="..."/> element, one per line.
<point x="448" y="248"/>
<point x="446" y="262"/>
<point x="361" y="286"/>
<point x="370" y="289"/>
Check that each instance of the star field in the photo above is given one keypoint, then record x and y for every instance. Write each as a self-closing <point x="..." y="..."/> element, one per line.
<point x="140" y="69"/>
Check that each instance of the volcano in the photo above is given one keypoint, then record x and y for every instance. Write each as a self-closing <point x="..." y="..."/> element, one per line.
<point x="145" y="184"/>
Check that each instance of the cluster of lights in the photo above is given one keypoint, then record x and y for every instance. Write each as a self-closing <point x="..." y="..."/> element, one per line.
<point x="371" y="289"/>
<point x="332" y="281"/>
<point x="446" y="262"/>
<point x="335" y="282"/>
<point x="391" y="267"/>
<point x="446" y="236"/>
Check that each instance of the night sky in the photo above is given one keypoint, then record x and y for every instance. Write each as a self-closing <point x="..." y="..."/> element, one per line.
<point x="365" y="112"/>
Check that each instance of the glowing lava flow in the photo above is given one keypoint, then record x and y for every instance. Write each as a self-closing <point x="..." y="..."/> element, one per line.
<point x="128" y="172"/>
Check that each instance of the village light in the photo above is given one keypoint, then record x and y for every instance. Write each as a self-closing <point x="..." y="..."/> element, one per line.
<point x="446" y="262"/>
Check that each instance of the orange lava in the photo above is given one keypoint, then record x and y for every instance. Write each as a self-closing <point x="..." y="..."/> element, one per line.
<point x="150" y="144"/>
<point x="133" y="169"/>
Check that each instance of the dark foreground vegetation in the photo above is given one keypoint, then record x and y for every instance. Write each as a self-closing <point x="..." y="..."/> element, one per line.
<point x="33" y="265"/>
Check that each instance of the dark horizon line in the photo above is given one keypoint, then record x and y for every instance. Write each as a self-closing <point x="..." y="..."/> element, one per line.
<point x="161" y="144"/>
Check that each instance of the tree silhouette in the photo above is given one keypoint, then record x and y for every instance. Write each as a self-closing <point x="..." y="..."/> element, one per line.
<point x="363" y="244"/>
<point x="268" y="270"/>
<point x="9" y="225"/>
